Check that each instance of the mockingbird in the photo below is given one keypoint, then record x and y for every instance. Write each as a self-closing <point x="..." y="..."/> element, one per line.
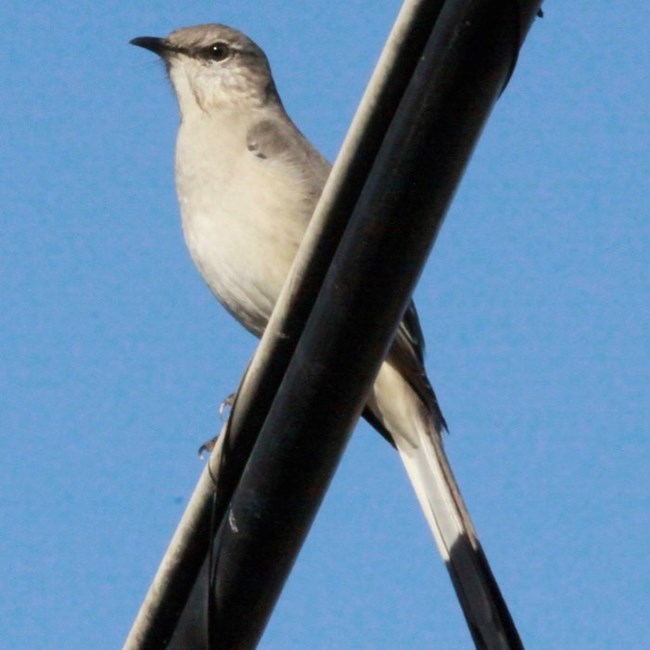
<point x="248" y="182"/>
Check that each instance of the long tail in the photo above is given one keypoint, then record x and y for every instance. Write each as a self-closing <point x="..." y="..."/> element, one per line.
<point x="486" y="612"/>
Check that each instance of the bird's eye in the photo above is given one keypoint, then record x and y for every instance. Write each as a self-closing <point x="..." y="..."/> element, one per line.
<point x="219" y="51"/>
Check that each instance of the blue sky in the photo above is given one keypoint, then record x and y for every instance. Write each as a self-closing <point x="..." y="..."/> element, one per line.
<point x="114" y="356"/>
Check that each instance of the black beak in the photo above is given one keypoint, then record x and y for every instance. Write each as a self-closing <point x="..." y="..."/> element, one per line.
<point x="157" y="45"/>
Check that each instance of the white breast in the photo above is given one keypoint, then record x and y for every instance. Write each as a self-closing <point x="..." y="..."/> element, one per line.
<point x="243" y="216"/>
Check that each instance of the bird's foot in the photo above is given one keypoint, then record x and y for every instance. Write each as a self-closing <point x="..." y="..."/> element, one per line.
<point x="226" y="404"/>
<point x="207" y="447"/>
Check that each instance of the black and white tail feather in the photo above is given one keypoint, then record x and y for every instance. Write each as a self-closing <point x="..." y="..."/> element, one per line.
<point x="404" y="408"/>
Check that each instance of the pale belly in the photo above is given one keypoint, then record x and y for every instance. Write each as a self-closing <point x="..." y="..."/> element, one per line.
<point x="244" y="265"/>
<point x="243" y="224"/>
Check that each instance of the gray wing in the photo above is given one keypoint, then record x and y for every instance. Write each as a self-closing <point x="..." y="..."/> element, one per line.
<point x="407" y="355"/>
<point x="278" y="138"/>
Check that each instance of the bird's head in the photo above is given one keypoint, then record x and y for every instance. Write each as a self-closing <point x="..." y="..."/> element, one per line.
<point x="213" y="67"/>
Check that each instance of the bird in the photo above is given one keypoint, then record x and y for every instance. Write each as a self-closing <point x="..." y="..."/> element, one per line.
<point x="248" y="182"/>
